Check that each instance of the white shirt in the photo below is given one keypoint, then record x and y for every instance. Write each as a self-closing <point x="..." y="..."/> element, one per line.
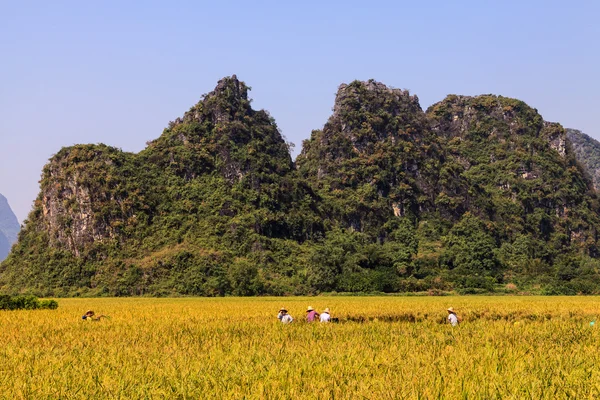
<point x="286" y="319"/>
<point x="453" y="319"/>
<point x="325" y="317"/>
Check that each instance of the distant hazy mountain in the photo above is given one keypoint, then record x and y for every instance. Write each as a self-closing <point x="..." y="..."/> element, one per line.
<point x="587" y="151"/>
<point x="4" y="246"/>
<point x="9" y="227"/>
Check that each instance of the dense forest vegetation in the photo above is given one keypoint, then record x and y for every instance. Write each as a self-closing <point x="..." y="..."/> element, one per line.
<point x="26" y="303"/>
<point x="477" y="194"/>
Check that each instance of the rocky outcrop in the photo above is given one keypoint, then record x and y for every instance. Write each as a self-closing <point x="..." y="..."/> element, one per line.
<point x="507" y="163"/>
<point x="222" y="132"/>
<point x="366" y="115"/>
<point x="84" y="197"/>
<point x="377" y="138"/>
<point x="557" y="137"/>
<point x="228" y="102"/>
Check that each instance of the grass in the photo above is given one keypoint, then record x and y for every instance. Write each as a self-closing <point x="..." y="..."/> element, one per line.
<point x="383" y="348"/>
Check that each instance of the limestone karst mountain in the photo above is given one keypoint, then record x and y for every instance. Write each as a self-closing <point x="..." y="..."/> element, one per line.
<point x="470" y="195"/>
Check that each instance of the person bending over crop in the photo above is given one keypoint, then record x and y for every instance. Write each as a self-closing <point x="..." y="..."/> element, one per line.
<point x="453" y="319"/>
<point x="311" y="314"/>
<point x="91" y="316"/>
<point x="284" y="317"/>
<point x="325" y="317"/>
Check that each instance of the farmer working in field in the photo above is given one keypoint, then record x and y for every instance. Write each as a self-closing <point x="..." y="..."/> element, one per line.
<point x="311" y="314"/>
<point x="284" y="317"/>
<point x="91" y="316"/>
<point x="325" y="317"/>
<point x="453" y="319"/>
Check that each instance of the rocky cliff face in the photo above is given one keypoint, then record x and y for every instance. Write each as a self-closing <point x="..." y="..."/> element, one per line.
<point x="378" y="142"/>
<point x="9" y="227"/>
<point x="91" y="194"/>
<point x="84" y="196"/>
<point x="508" y="163"/>
<point x="222" y="132"/>
<point x="496" y="145"/>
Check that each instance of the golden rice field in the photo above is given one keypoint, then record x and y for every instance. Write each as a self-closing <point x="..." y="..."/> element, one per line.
<point x="234" y="348"/>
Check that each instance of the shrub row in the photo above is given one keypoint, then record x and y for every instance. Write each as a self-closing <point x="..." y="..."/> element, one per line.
<point x="26" y="303"/>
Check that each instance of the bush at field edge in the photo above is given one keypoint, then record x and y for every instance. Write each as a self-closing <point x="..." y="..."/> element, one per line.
<point x="26" y="303"/>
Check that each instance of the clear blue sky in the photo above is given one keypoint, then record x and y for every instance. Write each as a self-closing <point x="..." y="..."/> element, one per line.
<point x="117" y="72"/>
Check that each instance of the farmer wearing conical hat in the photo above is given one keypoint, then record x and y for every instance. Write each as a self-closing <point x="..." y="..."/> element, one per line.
<point x="311" y="314"/>
<point x="325" y="317"/>
<point x="91" y="316"/>
<point x="284" y="317"/>
<point x="452" y="317"/>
